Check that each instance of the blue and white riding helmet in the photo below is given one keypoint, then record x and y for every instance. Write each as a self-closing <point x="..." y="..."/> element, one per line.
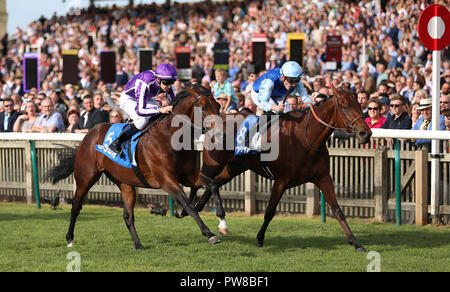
<point x="291" y="69"/>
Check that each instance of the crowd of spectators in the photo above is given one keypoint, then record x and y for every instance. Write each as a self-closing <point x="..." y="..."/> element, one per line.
<point x="382" y="57"/>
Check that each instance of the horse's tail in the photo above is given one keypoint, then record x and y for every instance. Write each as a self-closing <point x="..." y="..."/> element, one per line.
<point x="66" y="165"/>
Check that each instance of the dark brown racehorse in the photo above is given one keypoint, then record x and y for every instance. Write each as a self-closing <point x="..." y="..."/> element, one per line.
<point x="303" y="157"/>
<point x="161" y="166"/>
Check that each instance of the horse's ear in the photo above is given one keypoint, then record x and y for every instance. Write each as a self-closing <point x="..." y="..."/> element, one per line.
<point x="336" y="92"/>
<point x="355" y="96"/>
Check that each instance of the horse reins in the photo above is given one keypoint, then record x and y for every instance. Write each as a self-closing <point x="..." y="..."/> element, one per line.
<point x="161" y="116"/>
<point x="197" y="98"/>
<point x="311" y="110"/>
<point x="190" y="122"/>
<point x="136" y="170"/>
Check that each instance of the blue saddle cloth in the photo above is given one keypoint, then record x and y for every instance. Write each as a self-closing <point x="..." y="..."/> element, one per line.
<point x="241" y="146"/>
<point x="123" y="159"/>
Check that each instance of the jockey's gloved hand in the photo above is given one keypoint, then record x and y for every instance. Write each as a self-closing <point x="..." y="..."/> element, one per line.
<point x="165" y="109"/>
<point x="278" y="108"/>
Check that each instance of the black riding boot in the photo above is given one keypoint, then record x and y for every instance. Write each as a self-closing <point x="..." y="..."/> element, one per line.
<point x="128" y="131"/>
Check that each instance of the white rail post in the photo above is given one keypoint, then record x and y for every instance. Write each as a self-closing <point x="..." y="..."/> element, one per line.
<point x="435" y="121"/>
<point x="312" y="200"/>
<point x="421" y="161"/>
<point x="380" y="188"/>
<point x="250" y="193"/>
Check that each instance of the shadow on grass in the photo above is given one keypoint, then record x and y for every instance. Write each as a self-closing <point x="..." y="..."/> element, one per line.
<point x="380" y="239"/>
<point x="59" y="214"/>
<point x="371" y="236"/>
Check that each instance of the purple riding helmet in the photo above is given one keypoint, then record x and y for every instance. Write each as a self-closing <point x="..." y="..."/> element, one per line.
<point x="166" y="71"/>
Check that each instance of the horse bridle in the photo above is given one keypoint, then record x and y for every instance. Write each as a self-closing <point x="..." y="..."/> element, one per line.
<point x="161" y="116"/>
<point x="204" y="130"/>
<point x="348" y="127"/>
<point x="197" y="98"/>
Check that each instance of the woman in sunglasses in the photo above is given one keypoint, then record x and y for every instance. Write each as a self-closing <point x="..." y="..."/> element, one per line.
<point x="140" y="100"/>
<point x="270" y="89"/>
<point x="375" y="119"/>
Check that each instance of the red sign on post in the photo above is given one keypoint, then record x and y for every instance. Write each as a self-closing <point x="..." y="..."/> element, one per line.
<point x="434" y="27"/>
<point x="334" y="48"/>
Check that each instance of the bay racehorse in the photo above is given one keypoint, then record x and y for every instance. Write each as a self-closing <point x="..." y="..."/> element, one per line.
<point x="161" y="166"/>
<point x="303" y="157"/>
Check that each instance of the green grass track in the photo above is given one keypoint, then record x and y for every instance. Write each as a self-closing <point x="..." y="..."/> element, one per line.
<point x="34" y="240"/>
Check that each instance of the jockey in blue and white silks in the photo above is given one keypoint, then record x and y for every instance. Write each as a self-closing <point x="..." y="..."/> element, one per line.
<point x="139" y="101"/>
<point x="270" y="89"/>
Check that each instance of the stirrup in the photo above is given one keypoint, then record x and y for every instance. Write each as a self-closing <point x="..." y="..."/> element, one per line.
<point x="116" y="147"/>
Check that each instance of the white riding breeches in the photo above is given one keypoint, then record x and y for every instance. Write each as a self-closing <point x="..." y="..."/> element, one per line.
<point x="128" y="105"/>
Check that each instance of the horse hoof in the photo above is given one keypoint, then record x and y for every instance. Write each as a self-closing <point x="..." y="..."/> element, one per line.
<point x="223" y="231"/>
<point x="140" y="247"/>
<point x="70" y="244"/>
<point x="360" y="249"/>
<point x="179" y="214"/>
<point x="213" y="239"/>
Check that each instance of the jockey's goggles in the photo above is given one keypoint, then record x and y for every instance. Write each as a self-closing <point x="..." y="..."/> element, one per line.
<point x="292" y="80"/>
<point x="167" y="81"/>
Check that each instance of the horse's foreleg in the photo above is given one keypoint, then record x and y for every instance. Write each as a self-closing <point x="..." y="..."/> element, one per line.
<point x="129" y="199"/>
<point x="277" y="191"/>
<point x="231" y="170"/>
<point x="180" y="213"/>
<point x="212" y="188"/>
<point x="201" y="203"/>
<point x="326" y="185"/>
<point x="174" y="189"/>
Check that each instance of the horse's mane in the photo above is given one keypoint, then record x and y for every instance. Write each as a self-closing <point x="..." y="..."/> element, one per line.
<point x="299" y="114"/>
<point x="199" y="88"/>
<point x="185" y="92"/>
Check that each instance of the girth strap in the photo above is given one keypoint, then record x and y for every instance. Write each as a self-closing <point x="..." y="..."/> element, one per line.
<point x="136" y="170"/>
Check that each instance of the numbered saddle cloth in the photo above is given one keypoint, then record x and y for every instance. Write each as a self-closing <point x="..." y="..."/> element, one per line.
<point x="124" y="159"/>
<point x="248" y="140"/>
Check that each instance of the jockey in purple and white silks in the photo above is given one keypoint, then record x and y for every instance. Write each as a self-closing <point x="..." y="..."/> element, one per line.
<point x="139" y="100"/>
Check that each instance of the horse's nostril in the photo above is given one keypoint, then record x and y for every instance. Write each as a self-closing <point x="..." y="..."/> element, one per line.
<point x="363" y="134"/>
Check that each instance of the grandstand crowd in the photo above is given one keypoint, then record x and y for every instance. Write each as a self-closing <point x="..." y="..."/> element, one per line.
<point x="391" y="82"/>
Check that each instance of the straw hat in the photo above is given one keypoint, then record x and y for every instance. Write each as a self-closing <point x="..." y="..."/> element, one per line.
<point x="425" y="103"/>
<point x="222" y="96"/>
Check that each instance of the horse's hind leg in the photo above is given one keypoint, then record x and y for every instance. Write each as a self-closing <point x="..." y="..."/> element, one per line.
<point x="129" y="199"/>
<point x="326" y="185"/>
<point x="83" y="184"/>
